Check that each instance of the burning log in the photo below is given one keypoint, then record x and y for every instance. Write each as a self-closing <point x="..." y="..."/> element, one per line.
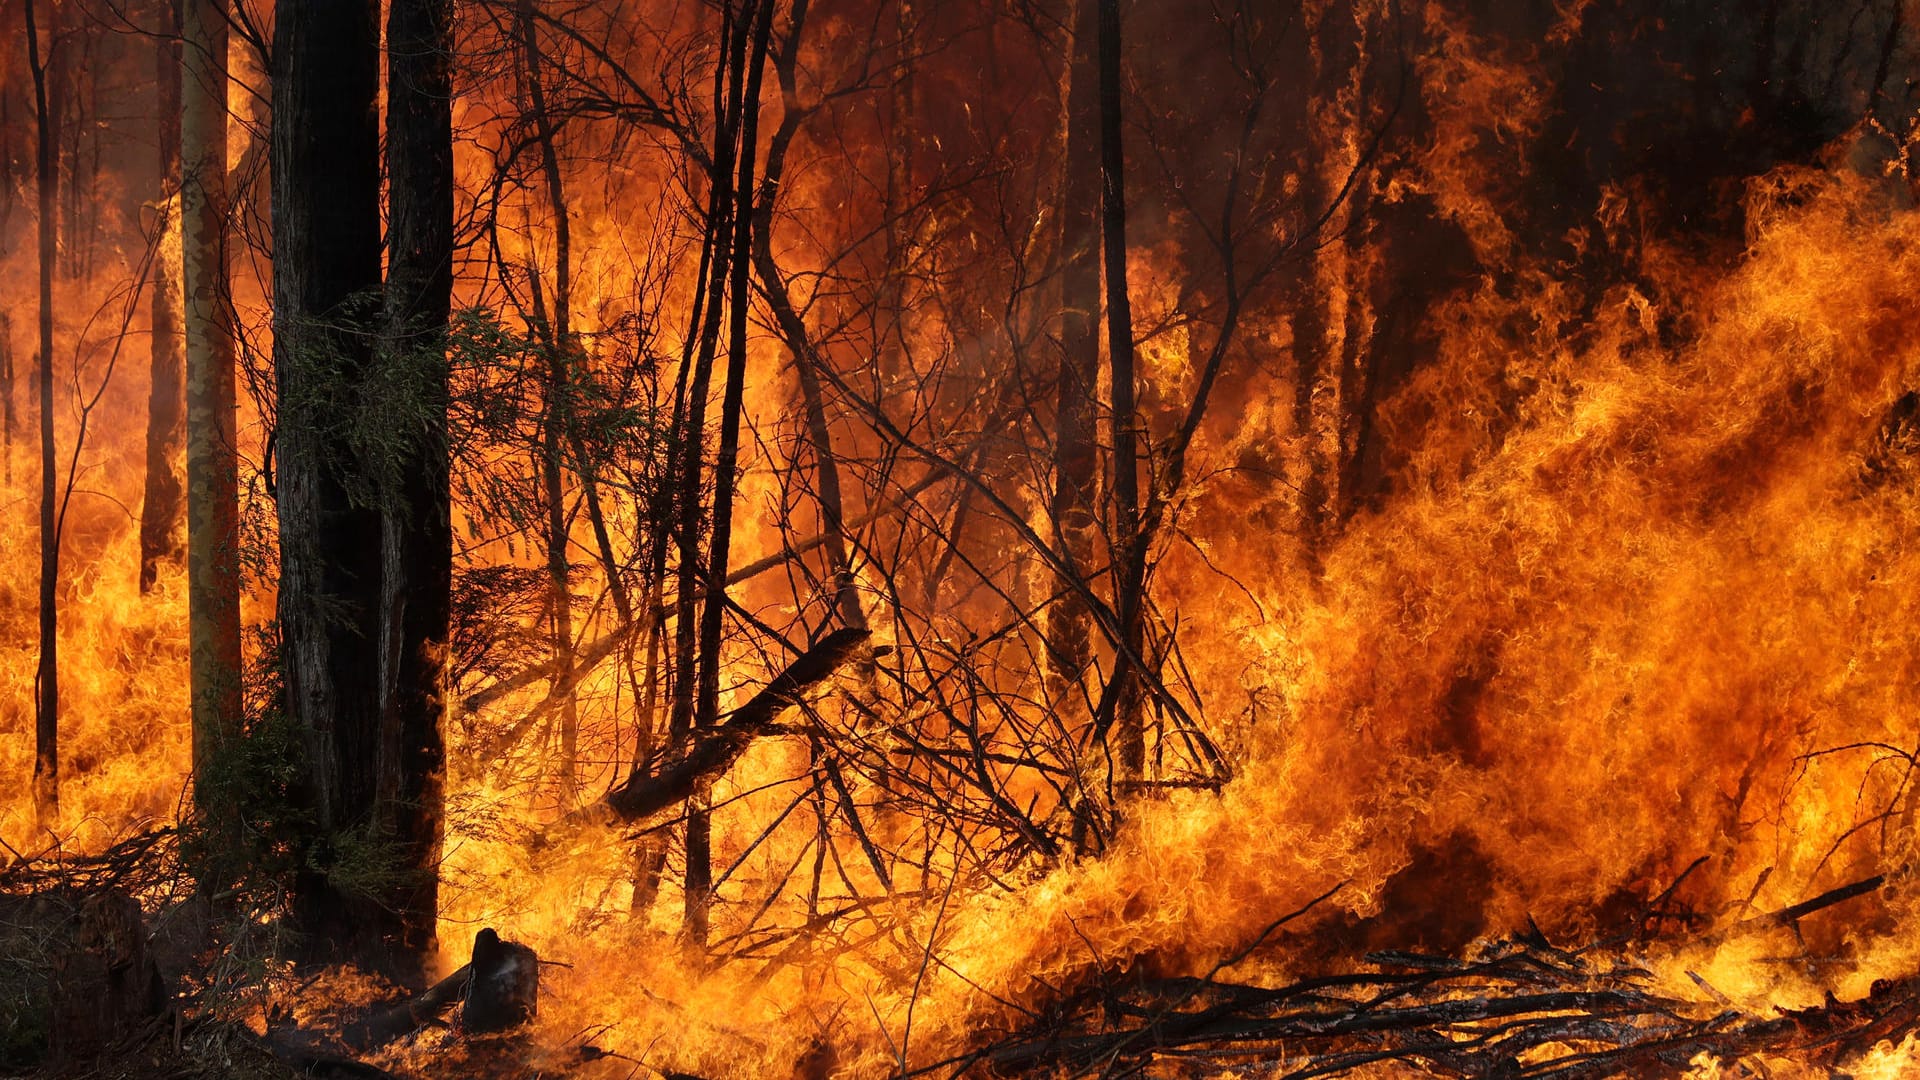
<point x="398" y="1021"/>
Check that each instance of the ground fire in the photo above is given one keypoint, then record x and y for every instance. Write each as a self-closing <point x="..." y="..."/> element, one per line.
<point x="983" y="538"/>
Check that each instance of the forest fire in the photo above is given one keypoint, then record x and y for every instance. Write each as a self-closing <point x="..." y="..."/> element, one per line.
<point x="882" y="538"/>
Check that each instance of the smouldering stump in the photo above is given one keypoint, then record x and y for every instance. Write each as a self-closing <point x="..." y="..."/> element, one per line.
<point x="503" y="987"/>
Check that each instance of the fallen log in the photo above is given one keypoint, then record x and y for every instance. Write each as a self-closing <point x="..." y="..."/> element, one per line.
<point x="398" y="1021"/>
<point x="644" y="795"/>
<point x="1517" y="1008"/>
<point x="1789" y="917"/>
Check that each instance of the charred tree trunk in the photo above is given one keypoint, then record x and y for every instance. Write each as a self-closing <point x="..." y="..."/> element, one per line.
<point x="558" y="419"/>
<point x="689" y="497"/>
<point x="326" y="274"/>
<point x="1129" y="553"/>
<point x="1076" y="456"/>
<point x="726" y="460"/>
<point x="213" y="499"/>
<point x="417" y="524"/>
<point x="826" y="465"/>
<point x="46" y="713"/>
<point x="160" y="510"/>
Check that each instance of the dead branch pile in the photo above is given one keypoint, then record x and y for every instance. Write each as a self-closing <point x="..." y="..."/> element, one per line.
<point x="136" y="864"/>
<point x="1516" y="1008"/>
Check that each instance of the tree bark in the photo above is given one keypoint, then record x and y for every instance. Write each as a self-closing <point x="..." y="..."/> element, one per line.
<point x="1076" y="455"/>
<point x="160" y="510"/>
<point x="326" y="274"/>
<point x="417" y="523"/>
<point x="213" y="486"/>
<point x="7" y="418"/>
<point x="46" y="727"/>
<point x="557" y="421"/>
<point x="1129" y="552"/>
<point x="726" y="459"/>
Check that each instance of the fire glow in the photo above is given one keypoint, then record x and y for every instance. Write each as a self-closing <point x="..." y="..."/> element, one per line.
<point x="1499" y="657"/>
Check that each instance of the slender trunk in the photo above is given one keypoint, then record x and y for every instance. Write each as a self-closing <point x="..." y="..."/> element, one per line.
<point x="417" y="523"/>
<point x="160" y="510"/>
<point x="726" y="459"/>
<point x="846" y="594"/>
<point x="690" y="665"/>
<point x="557" y="420"/>
<point x="1076" y="457"/>
<point x="46" y="727"/>
<point x="7" y="419"/>
<point x="326" y="275"/>
<point x="213" y="486"/>
<point x="1129" y="553"/>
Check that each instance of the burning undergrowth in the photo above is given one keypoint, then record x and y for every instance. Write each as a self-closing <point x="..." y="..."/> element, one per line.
<point x="1653" y="645"/>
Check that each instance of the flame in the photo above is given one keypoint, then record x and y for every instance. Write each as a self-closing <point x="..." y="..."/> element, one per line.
<point x="1631" y="609"/>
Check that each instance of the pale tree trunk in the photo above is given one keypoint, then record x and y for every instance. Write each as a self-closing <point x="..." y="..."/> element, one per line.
<point x="213" y="511"/>
<point x="417" y="526"/>
<point x="46" y="728"/>
<point x="1333" y="321"/>
<point x="160" y="510"/>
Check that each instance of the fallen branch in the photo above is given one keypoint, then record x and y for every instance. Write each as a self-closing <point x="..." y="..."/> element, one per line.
<point x="643" y="795"/>
<point x="398" y="1021"/>
<point x="1518" y="1008"/>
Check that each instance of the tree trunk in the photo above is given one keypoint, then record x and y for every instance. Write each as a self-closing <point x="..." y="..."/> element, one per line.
<point x="726" y="460"/>
<point x="326" y="273"/>
<point x="826" y="465"/>
<point x="558" y="418"/>
<point x="1129" y="557"/>
<point x="1076" y="456"/>
<point x="160" y="510"/>
<point x="690" y="441"/>
<point x="417" y="524"/>
<point x="7" y="419"/>
<point x="46" y="728"/>
<point x="213" y="486"/>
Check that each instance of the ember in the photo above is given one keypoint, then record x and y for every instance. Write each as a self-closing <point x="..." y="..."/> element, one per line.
<point x="881" y="538"/>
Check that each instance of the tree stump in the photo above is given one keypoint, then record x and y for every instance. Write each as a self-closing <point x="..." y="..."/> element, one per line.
<point x="105" y="985"/>
<point x="503" y="985"/>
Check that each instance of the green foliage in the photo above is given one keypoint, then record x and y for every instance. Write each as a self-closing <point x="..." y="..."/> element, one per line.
<point x="248" y="831"/>
<point x="372" y="406"/>
<point x="504" y="397"/>
<point x="253" y="829"/>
